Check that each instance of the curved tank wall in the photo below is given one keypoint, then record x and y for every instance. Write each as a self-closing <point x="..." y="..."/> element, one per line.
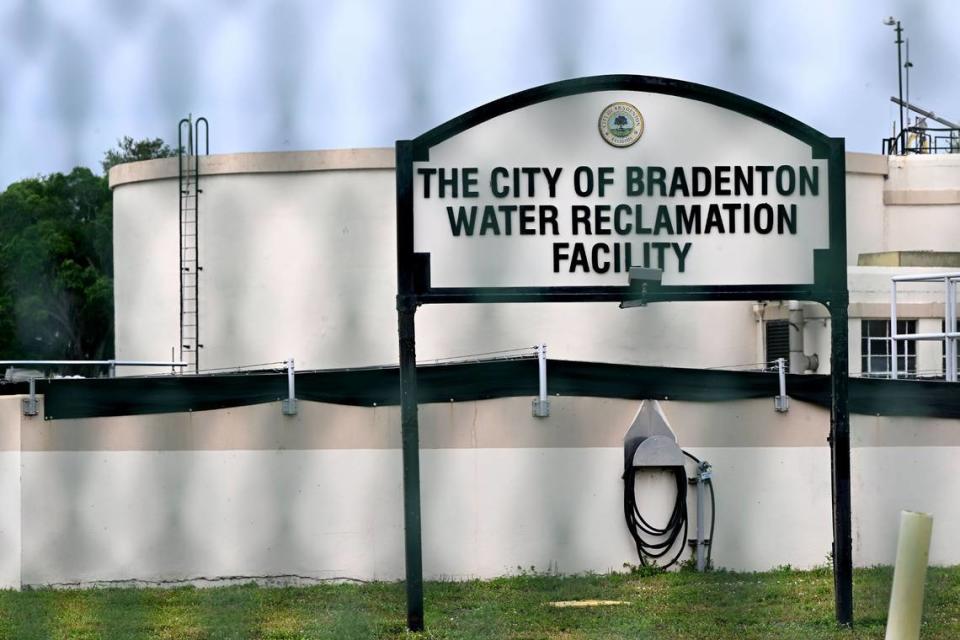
<point x="299" y="259"/>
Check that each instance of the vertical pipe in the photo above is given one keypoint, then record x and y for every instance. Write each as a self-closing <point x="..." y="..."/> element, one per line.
<point x="951" y="326"/>
<point x="893" y="329"/>
<point x="840" y="458"/>
<point x="783" y="377"/>
<point x="701" y="559"/>
<point x="900" y="82"/>
<point x="542" y="359"/>
<point x="290" y="381"/>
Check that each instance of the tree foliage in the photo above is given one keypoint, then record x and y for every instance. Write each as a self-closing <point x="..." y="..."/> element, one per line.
<point x="56" y="261"/>
<point x="130" y="150"/>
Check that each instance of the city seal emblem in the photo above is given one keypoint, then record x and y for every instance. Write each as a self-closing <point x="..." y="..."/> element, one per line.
<point x="621" y="124"/>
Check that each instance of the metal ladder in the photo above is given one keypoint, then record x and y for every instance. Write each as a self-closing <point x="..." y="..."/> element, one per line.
<point x="189" y="171"/>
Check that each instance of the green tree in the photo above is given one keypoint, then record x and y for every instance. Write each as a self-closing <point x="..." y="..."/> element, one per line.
<point x="56" y="267"/>
<point x="56" y="261"/>
<point x="130" y="150"/>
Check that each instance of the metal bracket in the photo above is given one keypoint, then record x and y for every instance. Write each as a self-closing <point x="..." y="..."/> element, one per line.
<point x="781" y="402"/>
<point x="30" y="404"/>
<point x="541" y="405"/>
<point x="289" y="404"/>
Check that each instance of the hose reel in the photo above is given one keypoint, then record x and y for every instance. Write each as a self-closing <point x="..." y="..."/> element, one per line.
<point x="651" y="444"/>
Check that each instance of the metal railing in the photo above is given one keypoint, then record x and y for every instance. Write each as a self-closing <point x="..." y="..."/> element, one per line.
<point x="948" y="336"/>
<point x="923" y="140"/>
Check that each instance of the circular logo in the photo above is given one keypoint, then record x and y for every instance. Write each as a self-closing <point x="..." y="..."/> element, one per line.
<point x="621" y="124"/>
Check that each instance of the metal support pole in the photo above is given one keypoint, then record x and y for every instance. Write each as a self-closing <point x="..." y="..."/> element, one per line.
<point x="840" y="459"/>
<point x="30" y="404"/>
<point x="409" y="425"/>
<point x="290" y="403"/>
<point x="902" y="140"/>
<point x="782" y="403"/>
<point x="893" y="329"/>
<point x="701" y="556"/>
<point x="541" y="405"/>
<point x="951" y="326"/>
<point x="112" y="369"/>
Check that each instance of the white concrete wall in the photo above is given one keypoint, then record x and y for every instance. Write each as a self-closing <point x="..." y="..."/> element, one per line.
<point x="10" y="561"/>
<point x="249" y="492"/>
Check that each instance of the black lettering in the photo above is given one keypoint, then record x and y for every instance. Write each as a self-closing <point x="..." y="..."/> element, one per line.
<point x="579" y="259"/>
<point x="787" y="219"/>
<point x="469" y="175"/>
<point x="581" y="215"/>
<point x="447" y="182"/>
<point x="528" y="221"/>
<point x="639" y="224"/>
<point x="579" y="175"/>
<point x="489" y="222"/>
<point x="661" y="247"/>
<point x="604" y="178"/>
<point x="462" y="222"/>
<point x="601" y="219"/>
<point x="810" y="180"/>
<point x="495" y="175"/>
<point x="688" y="221"/>
<point x="681" y="254"/>
<point x="764" y="171"/>
<point x="559" y="254"/>
<point x="786" y="180"/>
<point x="600" y="267"/>
<point x="552" y="180"/>
<point x="663" y="221"/>
<point x="743" y="181"/>
<point x="531" y="173"/>
<point x="731" y="209"/>
<point x="634" y="181"/>
<point x="679" y="183"/>
<point x="763" y="225"/>
<point x="622" y="210"/>
<point x="507" y="210"/>
<point x="701" y="181"/>
<point x="548" y="215"/>
<point x="656" y="176"/>
<point x="722" y="176"/>
<point x="714" y="219"/>
<point x="426" y="173"/>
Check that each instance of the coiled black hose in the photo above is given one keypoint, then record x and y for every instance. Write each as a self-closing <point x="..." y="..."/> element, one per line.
<point x="654" y="543"/>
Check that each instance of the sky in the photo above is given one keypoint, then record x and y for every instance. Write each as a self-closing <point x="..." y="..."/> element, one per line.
<point x="278" y="75"/>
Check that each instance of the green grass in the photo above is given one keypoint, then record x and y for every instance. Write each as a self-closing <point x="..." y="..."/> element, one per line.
<point x="719" y="605"/>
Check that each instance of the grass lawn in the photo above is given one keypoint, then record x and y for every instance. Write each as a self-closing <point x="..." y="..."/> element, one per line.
<point x="664" y="606"/>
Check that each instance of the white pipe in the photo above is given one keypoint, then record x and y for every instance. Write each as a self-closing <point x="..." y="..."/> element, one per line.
<point x="893" y="328"/>
<point x="909" y="576"/>
<point x="930" y="277"/>
<point x="783" y="377"/>
<point x="290" y="378"/>
<point x="951" y="326"/>
<point x="927" y="336"/>
<point x="542" y="360"/>
<point x="117" y="363"/>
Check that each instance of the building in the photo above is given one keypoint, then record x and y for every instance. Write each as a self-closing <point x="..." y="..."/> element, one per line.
<point x="299" y="260"/>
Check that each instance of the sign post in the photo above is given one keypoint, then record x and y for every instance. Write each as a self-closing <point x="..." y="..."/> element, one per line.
<point x="554" y="193"/>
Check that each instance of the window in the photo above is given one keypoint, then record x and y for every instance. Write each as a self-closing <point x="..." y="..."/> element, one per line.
<point x="778" y="341"/>
<point x="875" y="348"/>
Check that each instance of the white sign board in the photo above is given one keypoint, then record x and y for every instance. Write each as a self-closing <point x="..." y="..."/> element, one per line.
<point x="572" y="191"/>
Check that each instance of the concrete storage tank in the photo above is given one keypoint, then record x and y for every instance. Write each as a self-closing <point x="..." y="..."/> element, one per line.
<point x="299" y="259"/>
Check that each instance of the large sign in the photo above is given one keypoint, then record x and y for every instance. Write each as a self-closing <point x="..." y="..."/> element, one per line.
<point x="566" y="187"/>
<point x="552" y="194"/>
